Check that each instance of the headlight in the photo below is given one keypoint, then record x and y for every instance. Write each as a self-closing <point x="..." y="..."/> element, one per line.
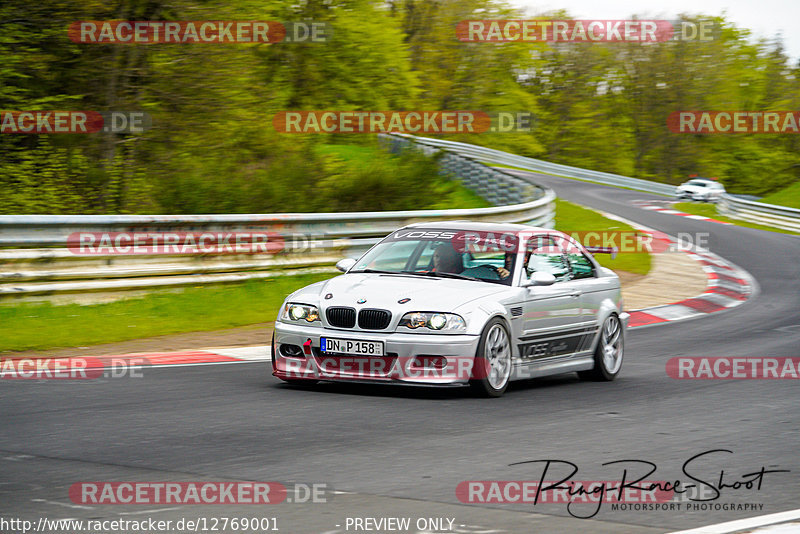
<point x="300" y="313"/>
<point x="439" y="322"/>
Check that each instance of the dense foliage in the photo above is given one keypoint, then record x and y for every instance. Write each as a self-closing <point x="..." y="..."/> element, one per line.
<point x="213" y="148"/>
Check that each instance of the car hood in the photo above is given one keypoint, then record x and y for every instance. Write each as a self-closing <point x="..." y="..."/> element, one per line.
<point x="384" y="291"/>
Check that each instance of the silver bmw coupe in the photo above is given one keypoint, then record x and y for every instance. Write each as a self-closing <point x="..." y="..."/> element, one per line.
<point x="456" y="303"/>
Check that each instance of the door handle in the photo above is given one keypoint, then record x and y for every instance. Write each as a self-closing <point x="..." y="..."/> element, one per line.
<point x="575" y="294"/>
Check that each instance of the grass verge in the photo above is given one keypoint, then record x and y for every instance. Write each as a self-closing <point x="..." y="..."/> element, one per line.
<point x="573" y="218"/>
<point x="710" y="210"/>
<point x="789" y="197"/>
<point x="194" y="309"/>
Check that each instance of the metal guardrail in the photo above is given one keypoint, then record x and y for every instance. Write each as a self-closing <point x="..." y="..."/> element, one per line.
<point x="494" y="185"/>
<point x="758" y="212"/>
<point x="732" y="206"/>
<point x="42" y="264"/>
<point x="490" y="155"/>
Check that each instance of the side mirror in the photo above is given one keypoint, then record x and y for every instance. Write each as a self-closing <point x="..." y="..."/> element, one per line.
<point x="540" y="279"/>
<point x="345" y="264"/>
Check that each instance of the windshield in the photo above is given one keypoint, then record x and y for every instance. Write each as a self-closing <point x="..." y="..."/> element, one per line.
<point x="701" y="183"/>
<point x="438" y="257"/>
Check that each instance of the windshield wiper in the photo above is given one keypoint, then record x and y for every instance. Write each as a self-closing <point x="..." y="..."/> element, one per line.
<point x="376" y="271"/>
<point x="418" y="273"/>
<point x="447" y="275"/>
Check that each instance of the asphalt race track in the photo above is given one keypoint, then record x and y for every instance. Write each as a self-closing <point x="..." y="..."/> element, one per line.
<point x="401" y="452"/>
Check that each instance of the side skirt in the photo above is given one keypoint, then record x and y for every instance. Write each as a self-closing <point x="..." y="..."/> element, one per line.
<point x="582" y="361"/>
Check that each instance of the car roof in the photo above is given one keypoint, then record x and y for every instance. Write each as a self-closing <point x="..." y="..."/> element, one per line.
<point x="480" y="226"/>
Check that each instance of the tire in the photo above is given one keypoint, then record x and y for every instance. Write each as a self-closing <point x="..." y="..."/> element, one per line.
<point x="291" y="382"/>
<point x="491" y="370"/>
<point x="609" y="352"/>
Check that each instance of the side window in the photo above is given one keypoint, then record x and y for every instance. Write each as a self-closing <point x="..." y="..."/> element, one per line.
<point x="581" y="265"/>
<point x="543" y="255"/>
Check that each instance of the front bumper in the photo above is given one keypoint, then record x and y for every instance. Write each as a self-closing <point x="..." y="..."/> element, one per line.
<point x="408" y="356"/>
<point x="624" y="318"/>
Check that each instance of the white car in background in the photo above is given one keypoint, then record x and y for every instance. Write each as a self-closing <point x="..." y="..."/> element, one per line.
<point x="701" y="189"/>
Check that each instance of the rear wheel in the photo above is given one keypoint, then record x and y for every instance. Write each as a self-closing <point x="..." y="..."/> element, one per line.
<point x="609" y="351"/>
<point x="491" y="370"/>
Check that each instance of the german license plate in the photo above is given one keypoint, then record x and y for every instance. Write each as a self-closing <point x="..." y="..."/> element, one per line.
<point x="351" y="346"/>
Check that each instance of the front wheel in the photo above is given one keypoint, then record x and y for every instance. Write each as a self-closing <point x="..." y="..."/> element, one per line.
<point x="491" y="370"/>
<point x="608" y="354"/>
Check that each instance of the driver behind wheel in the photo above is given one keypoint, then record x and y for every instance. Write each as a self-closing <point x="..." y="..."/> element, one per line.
<point x="489" y="272"/>
<point x="447" y="260"/>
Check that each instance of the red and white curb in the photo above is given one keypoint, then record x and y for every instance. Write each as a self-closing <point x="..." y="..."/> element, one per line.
<point x="653" y="206"/>
<point x="728" y="285"/>
<point x="253" y="353"/>
<point x="211" y="356"/>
